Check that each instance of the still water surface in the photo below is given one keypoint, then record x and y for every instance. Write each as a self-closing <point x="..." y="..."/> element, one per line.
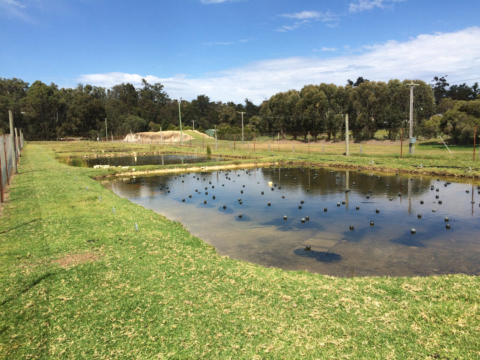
<point x="160" y="159"/>
<point x="343" y="223"/>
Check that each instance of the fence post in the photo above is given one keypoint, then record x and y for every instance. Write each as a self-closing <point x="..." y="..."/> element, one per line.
<point x="6" y="159"/>
<point x="1" y="182"/>
<point x="10" y="118"/>
<point x="17" y="146"/>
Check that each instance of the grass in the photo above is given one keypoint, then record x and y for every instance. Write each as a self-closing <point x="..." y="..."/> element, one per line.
<point x="78" y="281"/>
<point x="429" y="158"/>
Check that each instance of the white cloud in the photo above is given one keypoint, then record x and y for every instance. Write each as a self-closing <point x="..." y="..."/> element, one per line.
<point x="456" y="54"/>
<point x="305" y="17"/>
<point x="363" y="5"/>
<point x="13" y="8"/>
<point x="328" y="49"/>
<point x="214" y="1"/>
<point x="302" y="15"/>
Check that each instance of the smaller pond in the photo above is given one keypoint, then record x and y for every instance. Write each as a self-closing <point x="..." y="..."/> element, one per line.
<point x="138" y="160"/>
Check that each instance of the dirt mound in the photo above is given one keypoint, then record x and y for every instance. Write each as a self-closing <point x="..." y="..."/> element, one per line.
<point x="169" y="137"/>
<point x="201" y="134"/>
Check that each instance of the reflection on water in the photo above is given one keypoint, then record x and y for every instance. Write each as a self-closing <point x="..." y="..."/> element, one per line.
<point x="333" y="222"/>
<point x="138" y="160"/>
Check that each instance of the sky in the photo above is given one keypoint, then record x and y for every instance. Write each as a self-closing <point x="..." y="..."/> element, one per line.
<point x="231" y="50"/>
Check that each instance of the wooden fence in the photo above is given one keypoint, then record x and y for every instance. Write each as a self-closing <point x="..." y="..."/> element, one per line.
<point x="11" y="146"/>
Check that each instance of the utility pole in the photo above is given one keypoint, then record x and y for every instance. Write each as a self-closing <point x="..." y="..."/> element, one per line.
<point x="106" y="130"/>
<point x="401" y="142"/>
<point x="12" y="138"/>
<point x="242" y="112"/>
<point x="474" y="142"/>
<point x="180" y="120"/>
<point x="410" y="133"/>
<point x="347" y="145"/>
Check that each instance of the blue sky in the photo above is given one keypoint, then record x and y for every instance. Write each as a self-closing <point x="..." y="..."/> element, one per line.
<point x="237" y="49"/>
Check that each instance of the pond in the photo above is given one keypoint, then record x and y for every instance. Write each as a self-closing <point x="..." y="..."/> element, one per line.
<point x="137" y="160"/>
<point x="343" y="223"/>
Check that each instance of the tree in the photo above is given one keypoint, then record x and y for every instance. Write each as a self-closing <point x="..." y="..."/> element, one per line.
<point x="312" y="108"/>
<point x="464" y="92"/>
<point x="152" y="101"/>
<point x="359" y="81"/>
<point x="440" y="88"/>
<point x="460" y="121"/>
<point x="397" y="108"/>
<point x="12" y="94"/>
<point x="85" y="113"/>
<point x="431" y="127"/>
<point x="41" y="104"/>
<point x="284" y="113"/>
<point x="368" y="100"/>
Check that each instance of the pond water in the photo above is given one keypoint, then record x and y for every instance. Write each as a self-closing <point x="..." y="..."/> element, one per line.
<point x="132" y="160"/>
<point x="343" y="223"/>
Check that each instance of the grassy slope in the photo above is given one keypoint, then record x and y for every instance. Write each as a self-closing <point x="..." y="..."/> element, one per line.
<point x="159" y="291"/>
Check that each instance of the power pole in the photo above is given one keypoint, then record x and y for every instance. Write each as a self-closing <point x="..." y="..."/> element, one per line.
<point x="242" y="112"/>
<point x="12" y="137"/>
<point x="474" y="141"/>
<point x="180" y="120"/>
<point x="410" y="133"/>
<point x="106" y="130"/>
<point x="347" y="145"/>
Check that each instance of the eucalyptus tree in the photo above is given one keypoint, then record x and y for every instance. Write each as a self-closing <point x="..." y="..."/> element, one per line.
<point x="398" y="107"/>
<point x="152" y="101"/>
<point x="460" y="121"/>
<point x="12" y="94"/>
<point x="40" y="111"/>
<point x="368" y="100"/>
<point x="336" y="108"/>
<point x="283" y="111"/>
<point x="85" y="113"/>
<point x="313" y="106"/>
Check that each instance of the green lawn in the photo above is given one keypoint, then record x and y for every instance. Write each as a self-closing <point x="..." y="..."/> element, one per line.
<point x="78" y="280"/>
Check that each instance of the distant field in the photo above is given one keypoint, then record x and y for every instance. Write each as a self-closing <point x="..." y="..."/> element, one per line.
<point x="381" y="155"/>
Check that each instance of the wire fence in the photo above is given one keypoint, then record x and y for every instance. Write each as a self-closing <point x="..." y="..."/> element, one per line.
<point x="11" y="146"/>
<point x="261" y="144"/>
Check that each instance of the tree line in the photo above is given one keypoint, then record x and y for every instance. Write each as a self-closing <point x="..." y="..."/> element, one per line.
<point x="47" y="112"/>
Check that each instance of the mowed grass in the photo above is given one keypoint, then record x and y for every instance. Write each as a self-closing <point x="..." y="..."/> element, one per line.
<point x="78" y="280"/>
